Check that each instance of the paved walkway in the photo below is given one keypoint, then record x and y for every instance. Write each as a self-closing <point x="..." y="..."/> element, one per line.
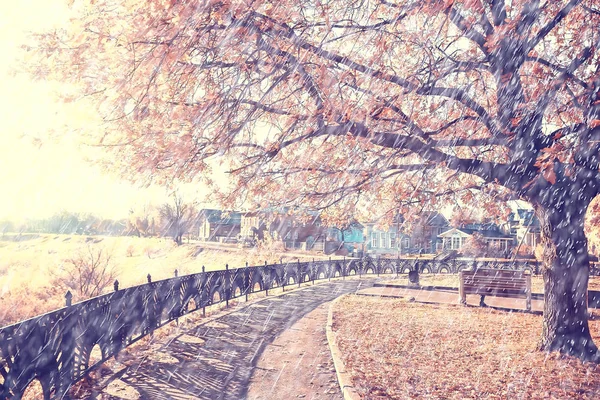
<point x="216" y="360"/>
<point x="298" y="364"/>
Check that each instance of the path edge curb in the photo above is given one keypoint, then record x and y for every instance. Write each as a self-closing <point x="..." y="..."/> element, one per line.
<point x="343" y="377"/>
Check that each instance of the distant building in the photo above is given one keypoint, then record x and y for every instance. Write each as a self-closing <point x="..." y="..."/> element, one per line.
<point x="278" y="223"/>
<point x="456" y="238"/>
<point x="218" y="225"/>
<point x="395" y="240"/>
<point x="524" y="226"/>
<point x="390" y="241"/>
<point x="351" y="237"/>
<point x="425" y="233"/>
<point x="301" y="230"/>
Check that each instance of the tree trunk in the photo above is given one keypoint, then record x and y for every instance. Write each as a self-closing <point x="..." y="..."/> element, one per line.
<point x="566" y="274"/>
<point x="178" y="240"/>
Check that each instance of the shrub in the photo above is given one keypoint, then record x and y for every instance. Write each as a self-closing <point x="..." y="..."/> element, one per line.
<point x="130" y="252"/>
<point x="269" y="249"/>
<point x="87" y="273"/>
<point x="475" y="246"/>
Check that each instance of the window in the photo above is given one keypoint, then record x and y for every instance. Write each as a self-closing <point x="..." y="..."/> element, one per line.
<point x="463" y="241"/>
<point x="406" y="243"/>
<point x="392" y="240"/>
<point x="382" y="242"/>
<point x="373" y="239"/>
<point x="530" y="239"/>
<point x="455" y="243"/>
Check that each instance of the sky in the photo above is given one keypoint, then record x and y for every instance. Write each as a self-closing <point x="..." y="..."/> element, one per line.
<point x="40" y="176"/>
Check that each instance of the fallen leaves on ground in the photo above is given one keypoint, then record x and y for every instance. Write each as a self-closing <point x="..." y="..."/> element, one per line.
<point x="400" y="350"/>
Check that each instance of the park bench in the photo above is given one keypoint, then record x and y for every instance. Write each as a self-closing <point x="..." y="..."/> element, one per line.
<point x="494" y="282"/>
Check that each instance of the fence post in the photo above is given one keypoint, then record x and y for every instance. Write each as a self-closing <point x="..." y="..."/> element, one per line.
<point x="227" y="285"/>
<point x="247" y="279"/>
<point x="68" y="298"/>
<point x="268" y="280"/>
<point x="202" y="294"/>
<point x="360" y="268"/>
<point x="116" y="285"/>
<point x="149" y="277"/>
<point x="313" y="267"/>
<point x="298" y="275"/>
<point x="344" y="269"/>
<point x="285" y="275"/>
<point x="176" y="273"/>
<point x="329" y="270"/>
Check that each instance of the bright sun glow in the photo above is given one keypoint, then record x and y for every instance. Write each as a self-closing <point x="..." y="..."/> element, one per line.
<point x="42" y="173"/>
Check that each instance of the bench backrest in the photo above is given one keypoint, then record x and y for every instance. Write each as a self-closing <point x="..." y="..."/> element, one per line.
<point x="494" y="281"/>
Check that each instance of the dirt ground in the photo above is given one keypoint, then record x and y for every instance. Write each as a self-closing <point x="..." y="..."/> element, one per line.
<point x="397" y="349"/>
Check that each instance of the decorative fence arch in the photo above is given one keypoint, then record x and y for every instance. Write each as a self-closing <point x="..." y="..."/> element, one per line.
<point x="54" y="349"/>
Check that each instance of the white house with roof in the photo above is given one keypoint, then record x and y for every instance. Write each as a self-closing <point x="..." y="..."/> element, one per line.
<point x="456" y="238"/>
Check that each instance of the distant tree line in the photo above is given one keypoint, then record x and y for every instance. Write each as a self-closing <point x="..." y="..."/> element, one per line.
<point x="68" y="223"/>
<point x="174" y="219"/>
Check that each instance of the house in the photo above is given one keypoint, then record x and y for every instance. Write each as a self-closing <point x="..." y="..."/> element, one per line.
<point x="300" y="230"/>
<point x="382" y="241"/>
<point x="456" y="238"/>
<point x="276" y="222"/>
<point x="425" y="232"/>
<point x="218" y="225"/>
<point x="397" y="239"/>
<point x="251" y="223"/>
<point x="351" y="236"/>
<point x="524" y="226"/>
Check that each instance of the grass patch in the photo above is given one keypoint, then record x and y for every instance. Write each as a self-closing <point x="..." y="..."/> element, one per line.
<point x="29" y="263"/>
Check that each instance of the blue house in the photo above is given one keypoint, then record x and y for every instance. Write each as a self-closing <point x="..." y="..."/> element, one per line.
<point x="351" y="236"/>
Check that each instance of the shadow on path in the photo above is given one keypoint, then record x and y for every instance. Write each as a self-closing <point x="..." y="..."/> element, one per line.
<point x="215" y="360"/>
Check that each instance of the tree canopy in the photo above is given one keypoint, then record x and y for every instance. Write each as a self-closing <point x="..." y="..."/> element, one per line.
<point x="345" y="104"/>
<point x="334" y="102"/>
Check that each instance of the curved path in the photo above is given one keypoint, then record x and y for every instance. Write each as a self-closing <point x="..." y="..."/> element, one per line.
<point x="216" y="360"/>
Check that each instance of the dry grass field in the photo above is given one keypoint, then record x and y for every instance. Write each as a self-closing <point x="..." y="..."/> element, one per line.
<point x="396" y="349"/>
<point x="32" y="266"/>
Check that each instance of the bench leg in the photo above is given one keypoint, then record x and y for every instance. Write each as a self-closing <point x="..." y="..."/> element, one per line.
<point x="528" y="301"/>
<point x="482" y="301"/>
<point x="462" y="296"/>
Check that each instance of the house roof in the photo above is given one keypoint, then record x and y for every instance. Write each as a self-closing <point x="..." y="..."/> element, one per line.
<point x="431" y="218"/>
<point x="524" y="217"/>
<point x="452" y="231"/>
<point x="221" y="217"/>
<point x="434" y="218"/>
<point x="488" y="234"/>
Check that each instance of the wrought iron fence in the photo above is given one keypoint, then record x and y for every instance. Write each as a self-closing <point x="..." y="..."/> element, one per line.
<point x="55" y="348"/>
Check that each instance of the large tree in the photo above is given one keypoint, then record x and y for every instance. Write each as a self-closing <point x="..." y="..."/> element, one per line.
<point x="177" y="218"/>
<point x="359" y="104"/>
